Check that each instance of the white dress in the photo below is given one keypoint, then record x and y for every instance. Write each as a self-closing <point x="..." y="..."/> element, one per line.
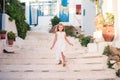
<point x="60" y="44"/>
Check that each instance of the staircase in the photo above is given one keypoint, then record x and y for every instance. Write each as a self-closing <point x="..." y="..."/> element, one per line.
<point x="35" y="61"/>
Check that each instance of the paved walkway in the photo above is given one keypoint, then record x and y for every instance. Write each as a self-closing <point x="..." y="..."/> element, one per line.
<point x="33" y="60"/>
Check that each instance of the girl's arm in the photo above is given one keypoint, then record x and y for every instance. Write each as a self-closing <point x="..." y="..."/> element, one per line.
<point x="68" y="40"/>
<point x="55" y="39"/>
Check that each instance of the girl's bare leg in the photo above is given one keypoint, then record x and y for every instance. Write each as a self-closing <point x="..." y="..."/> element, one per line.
<point x="64" y="60"/>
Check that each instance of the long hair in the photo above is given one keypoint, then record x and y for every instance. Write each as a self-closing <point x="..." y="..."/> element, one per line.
<point x="60" y="25"/>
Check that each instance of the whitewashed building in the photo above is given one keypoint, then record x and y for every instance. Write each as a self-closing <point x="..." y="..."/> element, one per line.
<point x="39" y="13"/>
<point x="71" y="12"/>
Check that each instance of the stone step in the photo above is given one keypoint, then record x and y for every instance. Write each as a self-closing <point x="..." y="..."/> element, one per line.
<point x="43" y="60"/>
<point x="35" y="61"/>
<point x="58" y="79"/>
<point x="29" y="55"/>
<point x="60" y="75"/>
<point x="45" y="47"/>
<point x="45" y="43"/>
<point x="53" y="67"/>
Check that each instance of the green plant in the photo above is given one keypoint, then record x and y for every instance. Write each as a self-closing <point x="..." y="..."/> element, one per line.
<point x="85" y="40"/>
<point x="118" y="73"/>
<point x="69" y="30"/>
<point x="16" y="12"/>
<point x="107" y="51"/>
<point x="3" y="31"/>
<point x="55" y="20"/>
<point x="109" y="20"/>
<point x="81" y="36"/>
<point x="11" y="35"/>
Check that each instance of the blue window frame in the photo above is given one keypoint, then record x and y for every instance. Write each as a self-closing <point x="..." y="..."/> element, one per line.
<point x="41" y="9"/>
<point x="0" y="21"/>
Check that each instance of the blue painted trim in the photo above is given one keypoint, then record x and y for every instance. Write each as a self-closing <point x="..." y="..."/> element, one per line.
<point x="0" y="21"/>
<point x="84" y="12"/>
<point x="30" y="15"/>
<point x="64" y="16"/>
<point x="64" y="3"/>
<point x="38" y="14"/>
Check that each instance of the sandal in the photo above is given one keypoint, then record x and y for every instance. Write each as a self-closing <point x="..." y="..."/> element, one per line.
<point x="60" y="62"/>
<point x="64" y="65"/>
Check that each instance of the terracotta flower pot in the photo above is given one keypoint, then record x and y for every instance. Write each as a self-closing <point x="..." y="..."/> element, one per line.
<point x="10" y="42"/>
<point x="3" y="36"/>
<point x="108" y="33"/>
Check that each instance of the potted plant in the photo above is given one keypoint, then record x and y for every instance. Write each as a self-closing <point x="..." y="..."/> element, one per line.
<point x="108" y="28"/>
<point x="3" y="34"/>
<point x="11" y="37"/>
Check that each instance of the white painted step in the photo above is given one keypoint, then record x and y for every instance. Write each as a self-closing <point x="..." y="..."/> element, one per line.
<point x="35" y="61"/>
<point x="60" y="75"/>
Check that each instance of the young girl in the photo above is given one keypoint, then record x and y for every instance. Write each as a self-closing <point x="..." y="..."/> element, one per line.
<point x="59" y="43"/>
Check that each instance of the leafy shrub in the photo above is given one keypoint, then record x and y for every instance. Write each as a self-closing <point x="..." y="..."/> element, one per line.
<point x="107" y="51"/>
<point x="70" y="31"/>
<point x="22" y="31"/>
<point x="81" y="36"/>
<point x="85" y="40"/>
<point x="55" y="20"/>
<point x="118" y="73"/>
<point x="16" y="12"/>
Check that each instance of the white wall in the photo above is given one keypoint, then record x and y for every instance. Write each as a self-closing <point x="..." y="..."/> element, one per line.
<point x="3" y="21"/>
<point x="44" y="20"/>
<point x="118" y="18"/>
<point x="8" y="25"/>
<point x="43" y="23"/>
<point x="115" y="11"/>
<point x="107" y="6"/>
<point x="75" y="20"/>
<point x="88" y="20"/>
<point x="27" y="12"/>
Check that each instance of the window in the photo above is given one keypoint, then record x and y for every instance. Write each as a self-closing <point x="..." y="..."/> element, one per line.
<point x="46" y="8"/>
<point x="78" y="9"/>
<point x="43" y="8"/>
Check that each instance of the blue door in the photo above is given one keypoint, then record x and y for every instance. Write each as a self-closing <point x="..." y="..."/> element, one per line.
<point x="64" y="13"/>
<point x="0" y="21"/>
